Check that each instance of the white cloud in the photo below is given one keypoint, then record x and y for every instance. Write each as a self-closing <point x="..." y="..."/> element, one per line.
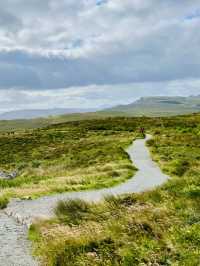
<point x="52" y="27"/>
<point x="47" y="45"/>
<point x="93" y="96"/>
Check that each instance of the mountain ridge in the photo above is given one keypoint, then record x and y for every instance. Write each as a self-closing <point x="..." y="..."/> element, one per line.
<point x="39" y="113"/>
<point x="159" y="106"/>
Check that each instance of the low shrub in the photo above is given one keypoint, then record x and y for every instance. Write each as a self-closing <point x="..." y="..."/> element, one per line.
<point x="3" y="202"/>
<point x="180" y="167"/>
<point x="72" y="211"/>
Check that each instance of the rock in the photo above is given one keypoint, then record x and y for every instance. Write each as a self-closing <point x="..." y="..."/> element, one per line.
<point x="27" y="198"/>
<point x="8" y="176"/>
<point x="12" y="175"/>
<point x="3" y="175"/>
<point x="92" y="254"/>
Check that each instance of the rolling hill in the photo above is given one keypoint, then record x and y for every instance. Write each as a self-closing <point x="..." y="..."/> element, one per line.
<point x="146" y="106"/>
<point x="37" y="113"/>
<point x="159" y="106"/>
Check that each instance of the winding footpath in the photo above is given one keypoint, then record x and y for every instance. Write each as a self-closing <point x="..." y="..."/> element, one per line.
<point x="20" y="214"/>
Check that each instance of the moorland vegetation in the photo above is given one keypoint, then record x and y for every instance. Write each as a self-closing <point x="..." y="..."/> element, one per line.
<point x="159" y="227"/>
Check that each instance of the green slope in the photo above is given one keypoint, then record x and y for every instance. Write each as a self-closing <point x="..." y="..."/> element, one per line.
<point x="149" y="106"/>
<point x="23" y="124"/>
<point x="160" y="106"/>
<point x="159" y="227"/>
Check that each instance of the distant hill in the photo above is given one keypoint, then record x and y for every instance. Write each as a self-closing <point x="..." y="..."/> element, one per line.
<point x="159" y="106"/>
<point x="30" y="114"/>
<point x="146" y="106"/>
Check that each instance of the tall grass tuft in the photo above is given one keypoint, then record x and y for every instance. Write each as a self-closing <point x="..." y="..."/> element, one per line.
<point x="3" y="202"/>
<point x="72" y="211"/>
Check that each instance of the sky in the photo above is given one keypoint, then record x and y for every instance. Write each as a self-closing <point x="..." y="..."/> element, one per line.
<point x="96" y="53"/>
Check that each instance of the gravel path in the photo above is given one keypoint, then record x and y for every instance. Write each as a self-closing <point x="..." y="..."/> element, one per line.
<point x="148" y="177"/>
<point x="14" y="246"/>
<point x="25" y="212"/>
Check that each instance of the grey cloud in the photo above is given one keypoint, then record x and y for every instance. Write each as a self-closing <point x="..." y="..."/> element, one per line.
<point x="17" y="76"/>
<point x="93" y="95"/>
<point x="9" y="22"/>
<point x="48" y="45"/>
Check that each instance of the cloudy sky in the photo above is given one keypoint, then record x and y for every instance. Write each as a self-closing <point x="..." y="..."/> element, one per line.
<point x="93" y="53"/>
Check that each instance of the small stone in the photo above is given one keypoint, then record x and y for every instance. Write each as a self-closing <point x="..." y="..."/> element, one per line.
<point x="3" y="175"/>
<point x="92" y="254"/>
<point x="13" y="175"/>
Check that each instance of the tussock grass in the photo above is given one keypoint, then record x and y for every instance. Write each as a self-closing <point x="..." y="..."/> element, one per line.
<point x="3" y="202"/>
<point x="72" y="211"/>
<point x="159" y="227"/>
<point x="67" y="157"/>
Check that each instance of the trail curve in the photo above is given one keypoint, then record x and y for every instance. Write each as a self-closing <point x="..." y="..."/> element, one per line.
<point x="20" y="214"/>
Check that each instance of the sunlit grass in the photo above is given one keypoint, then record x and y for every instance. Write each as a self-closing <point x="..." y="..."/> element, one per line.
<point x="159" y="227"/>
<point x="66" y="157"/>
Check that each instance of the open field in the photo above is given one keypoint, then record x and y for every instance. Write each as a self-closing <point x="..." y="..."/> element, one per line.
<point x="160" y="227"/>
<point x="146" y="106"/>
<point x="24" y="124"/>
<point x="66" y="157"/>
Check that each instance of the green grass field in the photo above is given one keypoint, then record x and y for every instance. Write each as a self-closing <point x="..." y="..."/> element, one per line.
<point x="161" y="227"/>
<point x="153" y="228"/>
<point x="66" y="157"/>
<point x="147" y="106"/>
<point x="25" y="124"/>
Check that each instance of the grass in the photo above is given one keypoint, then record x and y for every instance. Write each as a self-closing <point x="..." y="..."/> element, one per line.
<point x="73" y="211"/>
<point x="150" y="106"/>
<point x="3" y="202"/>
<point x="25" y="124"/>
<point x="160" y="227"/>
<point x="67" y="157"/>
